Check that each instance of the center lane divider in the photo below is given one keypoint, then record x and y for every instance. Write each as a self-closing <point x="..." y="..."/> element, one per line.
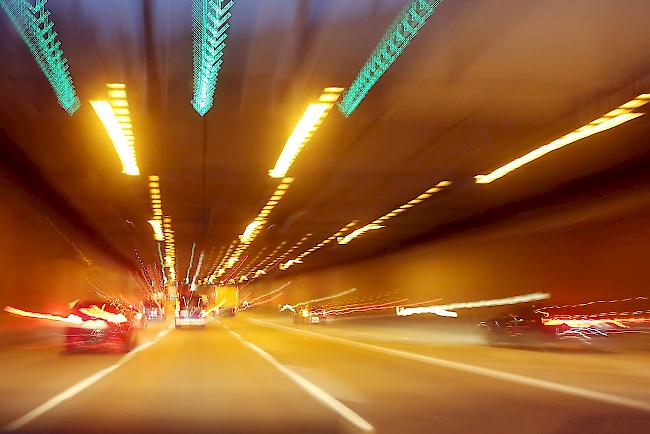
<point x="473" y="369"/>
<point x="316" y="392"/>
<point x="80" y="386"/>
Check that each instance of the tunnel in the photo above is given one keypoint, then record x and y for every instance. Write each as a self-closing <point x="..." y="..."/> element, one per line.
<point x="324" y="216"/>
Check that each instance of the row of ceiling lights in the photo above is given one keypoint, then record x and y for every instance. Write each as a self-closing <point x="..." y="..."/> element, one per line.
<point x="298" y="259"/>
<point x="312" y="118"/>
<point x="114" y="114"/>
<point x="210" y="21"/>
<point x="620" y="115"/>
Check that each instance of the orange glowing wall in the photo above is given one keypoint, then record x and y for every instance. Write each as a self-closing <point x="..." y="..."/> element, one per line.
<point x="41" y="270"/>
<point x="597" y="249"/>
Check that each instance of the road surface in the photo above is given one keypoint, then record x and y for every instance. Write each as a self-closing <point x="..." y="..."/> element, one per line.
<point x="261" y="374"/>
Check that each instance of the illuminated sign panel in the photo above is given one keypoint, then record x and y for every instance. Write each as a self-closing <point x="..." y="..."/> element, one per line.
<point x="36" y="29"/>
<point x="209" y="29"/>
<point x="399" y="34"/>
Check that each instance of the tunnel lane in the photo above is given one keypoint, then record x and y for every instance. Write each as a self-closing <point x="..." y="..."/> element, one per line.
<point x="208" y="380"/>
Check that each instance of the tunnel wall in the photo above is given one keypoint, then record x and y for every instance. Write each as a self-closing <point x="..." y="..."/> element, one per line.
<point x="591" y="249"/>
<point x="46" y="263"/>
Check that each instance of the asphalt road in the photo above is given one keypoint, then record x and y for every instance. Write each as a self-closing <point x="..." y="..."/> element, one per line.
<point x="262" y="374"/>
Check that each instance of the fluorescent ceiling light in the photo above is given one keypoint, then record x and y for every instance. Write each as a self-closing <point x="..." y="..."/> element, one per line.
<point x="304" y="130"/>
<point x="358" y="232"/>
<point x="410" y="204"/>
<point x="610" y="120"/>
<point x="123" y="146"/>
<point x="248" y="232"/>
<point x="156" y="225"/>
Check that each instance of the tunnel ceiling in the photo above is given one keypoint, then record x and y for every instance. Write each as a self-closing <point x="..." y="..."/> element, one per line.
<point x="483" y="82"/>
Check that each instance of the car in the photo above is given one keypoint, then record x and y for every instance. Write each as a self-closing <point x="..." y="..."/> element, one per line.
<point x="154" y="310"/>
<point x="102" y="326"/>
<point x="528" y="327"/>
<point x="310" y="315"/>
<point x="189" y="312"/>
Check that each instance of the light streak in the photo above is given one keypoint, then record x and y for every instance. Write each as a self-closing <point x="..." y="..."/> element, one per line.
<point x="93" y="311"/>
<point x="589" y="303"/>
<point x="304" y="130"/>
<point x="621" y="322"/>
<point x="162" y="231"/>
<point x="170" y="249"/>
<point x="209" y="29"/>
<point x="410" y="20"/>
<point x="37" y="31"/>
<point x="378" y="223"/>
<point x="189" y="268"/>
<point x="358" y="232"/>
<point x="263" y="263"/>
<point x="162" y="264"/>
<point x="197" y="271"/>
<point x="347" y="309"/>
<point x="71" y="319"/>
<point x="98" y="312"/>
<point x="143" y="268"/>
<point x="270" y="292"/>
<point x="255" y="227"/>
<point x="299" y="258"/>
<point x="329" y="297"/>
<point x="363" y="308"/>
<point x="156" y="225"/>
<point x="525" y="298"/>
<point x="247" y="236"/>
<point x="250" y="304"/>
<point x="612" y="119"/>
<point x="289" y="263"/>
<point x="123" y="145"/>
<point x="288" y="252"/>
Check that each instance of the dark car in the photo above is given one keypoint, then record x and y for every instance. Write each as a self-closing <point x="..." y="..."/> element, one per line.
<point x="103" y="326"/>
<point x="526" y="328"/>
<point x="154" y="311"/>
<point x="310" y="315"/>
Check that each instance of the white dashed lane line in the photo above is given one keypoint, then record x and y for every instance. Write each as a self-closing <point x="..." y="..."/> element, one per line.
<point x="316" y="392"/>
<point x="80" y="386"/>
<point x="473" y="369"/>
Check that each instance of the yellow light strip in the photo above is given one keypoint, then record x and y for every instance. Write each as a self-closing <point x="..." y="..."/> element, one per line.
<point x="299" y="258"/>
<point x="255" y="227"/>
<point x="266" y="260"/>
<point x="288" y="252"/>
<point x="246" y="237"/>
<point x="162" y="227"/>
<point x="378" y="223"/>
<point x="304" y="130"/>
<point x="123" y="144"/>
<point x="170" y="248"/>
<point x="357" y="233"/>
<point x="156" y="225"/>
<point x="612" y="119"/>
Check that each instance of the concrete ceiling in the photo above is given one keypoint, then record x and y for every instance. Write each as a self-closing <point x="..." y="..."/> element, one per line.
<point x="484" y="82"/>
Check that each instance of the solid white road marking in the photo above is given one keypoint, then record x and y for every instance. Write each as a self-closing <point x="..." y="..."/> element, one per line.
<point x="473" y="369"/>
<point x="80" y="386"/>
<point x="309" y="387"/>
